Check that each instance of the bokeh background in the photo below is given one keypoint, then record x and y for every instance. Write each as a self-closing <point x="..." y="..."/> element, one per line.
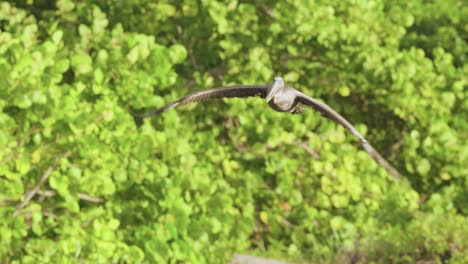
<point x="82" y="181"/>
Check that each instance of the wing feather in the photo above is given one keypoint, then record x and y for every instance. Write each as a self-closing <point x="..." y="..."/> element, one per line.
<point x="331" y="114"/>
<point x="215" y="93"/>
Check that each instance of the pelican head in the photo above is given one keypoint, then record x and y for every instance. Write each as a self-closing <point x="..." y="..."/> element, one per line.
<point x="275" y="87"/>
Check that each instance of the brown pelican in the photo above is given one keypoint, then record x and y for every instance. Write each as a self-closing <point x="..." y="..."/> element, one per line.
<point x="281" y="98"/>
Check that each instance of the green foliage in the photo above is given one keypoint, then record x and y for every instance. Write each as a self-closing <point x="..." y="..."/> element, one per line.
<point x="202" y="182"/>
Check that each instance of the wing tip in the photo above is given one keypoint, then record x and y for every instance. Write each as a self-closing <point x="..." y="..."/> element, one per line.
<point x="380" y="160"/>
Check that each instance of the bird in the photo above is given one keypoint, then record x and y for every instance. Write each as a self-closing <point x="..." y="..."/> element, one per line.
<point x="282" y="98"/>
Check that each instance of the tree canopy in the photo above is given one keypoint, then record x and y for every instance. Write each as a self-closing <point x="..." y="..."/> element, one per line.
<point x="82" y="180"/>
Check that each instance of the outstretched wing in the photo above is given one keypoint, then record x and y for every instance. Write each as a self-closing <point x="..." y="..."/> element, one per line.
<point x="329" y="113"/>
<point x="215" y="93"/>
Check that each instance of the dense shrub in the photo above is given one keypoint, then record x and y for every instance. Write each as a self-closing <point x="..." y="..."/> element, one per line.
<point x="82" y="180"/>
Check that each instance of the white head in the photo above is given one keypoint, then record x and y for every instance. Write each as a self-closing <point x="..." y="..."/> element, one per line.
<point x="275" y="87"/>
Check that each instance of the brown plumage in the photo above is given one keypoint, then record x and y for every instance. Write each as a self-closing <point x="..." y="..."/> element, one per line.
<point x="215" y="93"/>
<point x="281" y="98"/>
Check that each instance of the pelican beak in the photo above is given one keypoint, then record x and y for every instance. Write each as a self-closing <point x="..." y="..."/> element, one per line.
<point x="276" y="86"/>
<point x="269" y="97"/>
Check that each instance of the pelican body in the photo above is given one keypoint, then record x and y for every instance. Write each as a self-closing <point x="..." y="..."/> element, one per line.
<point x="281" y="98"/>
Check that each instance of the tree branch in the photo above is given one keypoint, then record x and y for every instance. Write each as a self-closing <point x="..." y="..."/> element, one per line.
<point x="307" y="149"/>
<point x="89" y="198"/>
<point x="81" y="196"/>
<point x="30" y="194"/>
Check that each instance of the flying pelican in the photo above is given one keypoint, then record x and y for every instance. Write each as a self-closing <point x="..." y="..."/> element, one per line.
<point x="281" y="98"/>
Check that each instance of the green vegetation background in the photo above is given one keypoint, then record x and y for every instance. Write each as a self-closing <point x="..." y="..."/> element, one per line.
<point x="203" y="182"/>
